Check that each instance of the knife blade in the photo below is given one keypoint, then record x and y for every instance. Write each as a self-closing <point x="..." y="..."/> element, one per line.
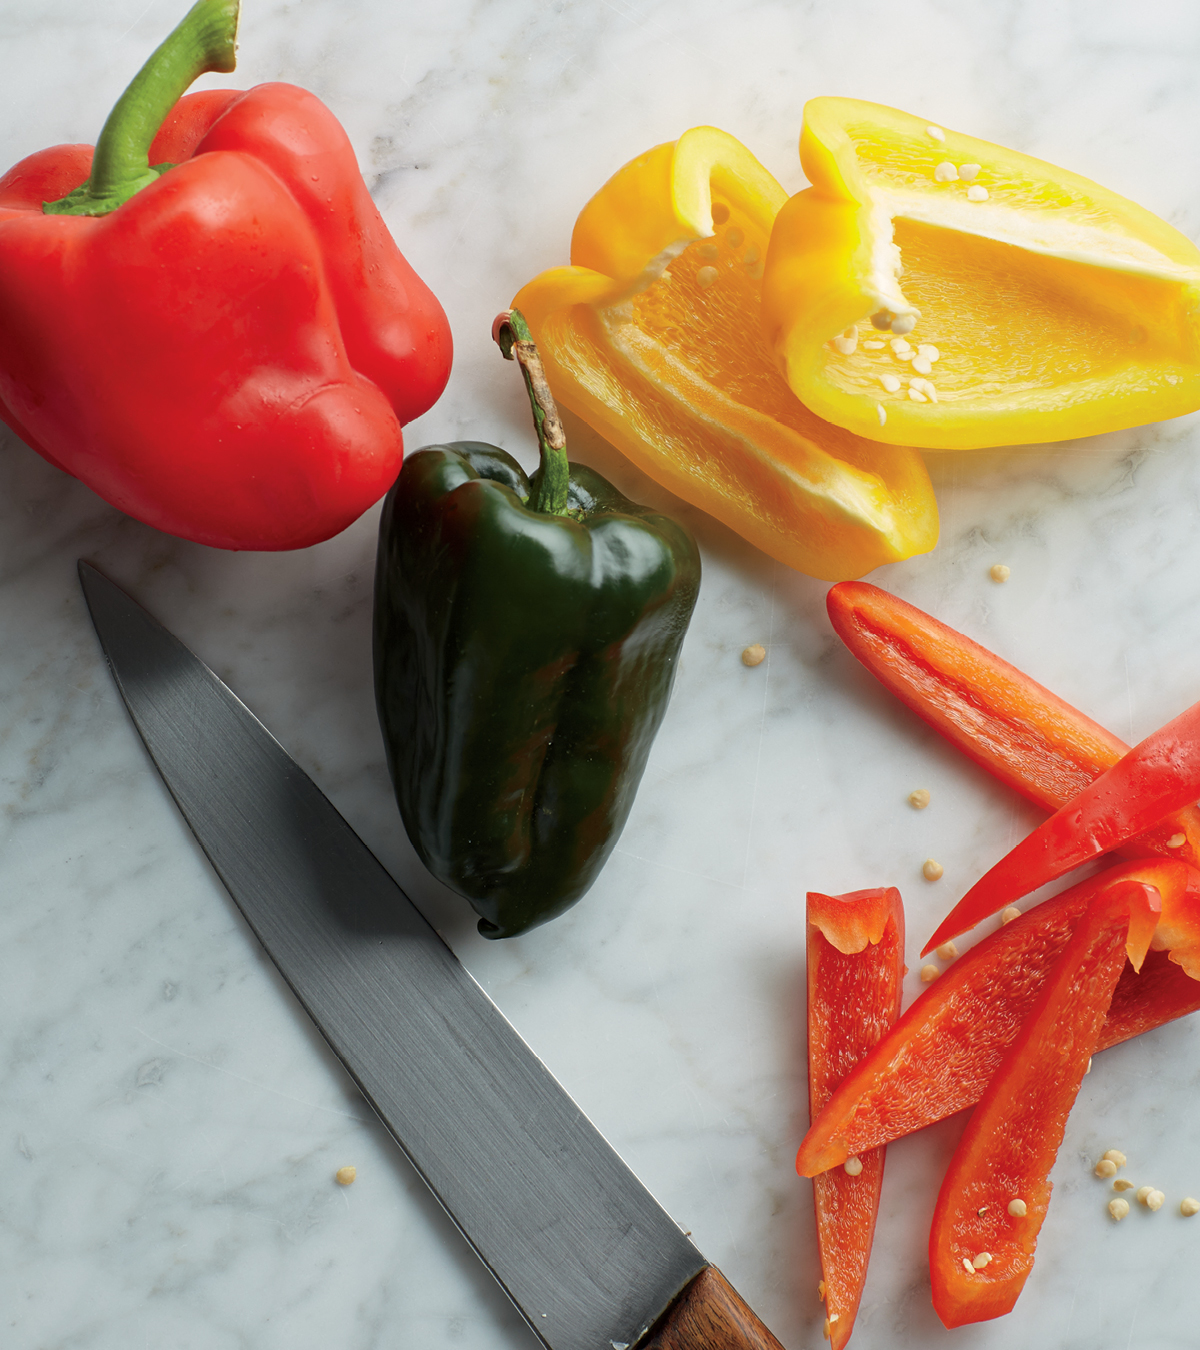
<point x="583" y="1250"/>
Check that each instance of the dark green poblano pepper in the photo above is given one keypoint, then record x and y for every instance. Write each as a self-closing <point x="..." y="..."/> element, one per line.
<point x="527" y="632"/>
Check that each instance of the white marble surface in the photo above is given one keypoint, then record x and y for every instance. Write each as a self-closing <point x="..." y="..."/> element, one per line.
<point x="170" y="1123"/>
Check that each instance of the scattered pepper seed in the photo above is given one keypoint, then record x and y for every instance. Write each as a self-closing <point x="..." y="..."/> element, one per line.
<point x="982" y="1210"/>
<point x="1143" y="1192"/>
<point x="1188" y="1207"/>
<point x="967" y="1266"/>
<point x="919" y="798"/>
<point x="709" y="252"/>
<point x="706" y="276"/>
<point x="968" y="171"/>
<point x="1017" y="1208"/>
<point x="904" y="323"/>
<point x="852" y="1166"/>
<point x="925" y="387"/>
<point x="1154" y="1200"/>
<point x="983" y="1259"/>
<point x="1122" y="1184"/>
<point x="922" y="365"/>
<point x="1177" y="841"/>
<point x="1000" y="573"/>
<point x="932" y="870"/>
<point x="945" y="173"/>
<point x="1088" y="1069"/>
<point x="1009" y="914"/>
<point x="890" y="382"/>
<point x="900" y="346"/>
<point x="345" y="1175"/>
<point x="916" y="395"/>
<point x="881" y="413"/>
<point x="928" y="352"/>
<point x="754" y="655"/>
<point x="936" y="132"/>
<point x="1106" y="1168"/>
<point x="873" y="346"/>
<point x="1118" y="1209"/>
<point x="946" y="952"/>
<point x="929" y="973"/>
<point x="1114" y="1155"/>
<point x="975" y="193"/>
<point x="734" y="237"/>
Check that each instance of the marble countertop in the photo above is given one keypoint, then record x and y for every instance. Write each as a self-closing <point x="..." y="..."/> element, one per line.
<point x="170" y="1123"/>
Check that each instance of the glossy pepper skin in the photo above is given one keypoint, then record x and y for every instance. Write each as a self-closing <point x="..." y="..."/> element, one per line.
<point x="523" y="662"/>
<point x="942" y="1053"/>
<point x="653" y="336"/>
<point x="994" y="713"/>
<point x="1160" y="775"/>
<point x="1012" y="1139"/>
<point x="227" y="354"/>
<point x="947" y="240"/>
<point x="855" y="954"/>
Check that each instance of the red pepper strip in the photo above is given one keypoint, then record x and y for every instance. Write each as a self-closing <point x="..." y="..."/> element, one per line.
<point x="1010" y="1143"/>
<point x="994" y="713"/>
<point x="855" y="966"/>
<point x="941" y="1055"/>
<point x="1160" y="774"/>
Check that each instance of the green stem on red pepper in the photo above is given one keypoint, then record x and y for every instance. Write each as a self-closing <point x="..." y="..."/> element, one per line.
<point x="203" y="41"/>
<point x="551" y="481"/>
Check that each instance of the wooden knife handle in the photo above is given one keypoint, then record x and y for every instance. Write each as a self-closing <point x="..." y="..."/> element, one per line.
<point x="709" y="1315"/>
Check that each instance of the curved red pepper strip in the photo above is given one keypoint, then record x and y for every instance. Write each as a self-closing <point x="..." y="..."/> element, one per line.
<point x="1011" y="1141"/>
<point x="941" y="1055"/>
<point x="855" y="966"/>
<point x="994" y="713"/>
<point x="1159" y="775"/>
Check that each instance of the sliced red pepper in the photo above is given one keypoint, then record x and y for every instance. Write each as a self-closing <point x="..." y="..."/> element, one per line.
<point x="855" y="968"/>
<point x="994" y="713"/>
<point x="940" y="1056"/>
<point x="1012" y="1139"/>
<point x="1159" y="775"/>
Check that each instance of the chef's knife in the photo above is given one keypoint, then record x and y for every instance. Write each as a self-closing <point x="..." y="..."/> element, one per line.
<point x="586" y="1254"/>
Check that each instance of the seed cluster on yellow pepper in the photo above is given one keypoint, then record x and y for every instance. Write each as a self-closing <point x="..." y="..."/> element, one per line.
<point x="780" y="363"/>
<point x="653" y="336"/>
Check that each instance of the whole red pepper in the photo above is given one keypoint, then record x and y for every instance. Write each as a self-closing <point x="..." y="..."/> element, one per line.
<point x="855" y="969"/>
<point x="224" y="345"/>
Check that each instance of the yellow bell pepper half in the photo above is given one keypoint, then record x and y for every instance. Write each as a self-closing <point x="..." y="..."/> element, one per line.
<point x="936" y="290"/>
<point x="653" y="336"/>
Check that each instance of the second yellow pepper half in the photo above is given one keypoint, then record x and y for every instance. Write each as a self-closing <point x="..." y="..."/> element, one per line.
<point x="936" y="290"/>
<point x="654" y="337"/>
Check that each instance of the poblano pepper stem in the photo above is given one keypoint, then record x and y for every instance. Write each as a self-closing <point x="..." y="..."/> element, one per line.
<point x="551" y="481"/>
<point x="204" y="40"/>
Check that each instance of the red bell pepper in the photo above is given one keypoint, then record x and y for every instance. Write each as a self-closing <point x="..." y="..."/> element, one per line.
<point x="1159" y="775"/>
<point x="941" y="1055"/>
<point x="980" y="1253"/>
<point x="223" y="345"/>
<point x="994" y="713"/>
<point x="855" y="969"/>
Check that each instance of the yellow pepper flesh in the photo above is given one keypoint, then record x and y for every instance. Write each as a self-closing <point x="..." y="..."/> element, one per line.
<point x="1056" y="308"/>
<point x="653" y="336"/>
